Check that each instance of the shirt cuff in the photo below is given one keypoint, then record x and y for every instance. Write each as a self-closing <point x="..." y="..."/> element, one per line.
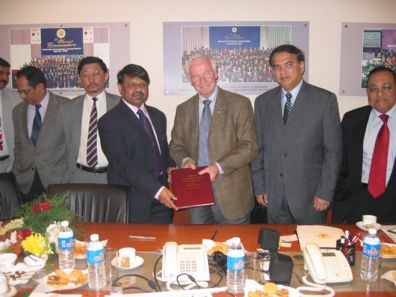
<point x="221" y="171"/>
<point x="158" y="193"/>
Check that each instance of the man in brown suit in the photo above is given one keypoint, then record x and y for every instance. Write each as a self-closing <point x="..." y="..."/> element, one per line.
<point x="215" y="129"/>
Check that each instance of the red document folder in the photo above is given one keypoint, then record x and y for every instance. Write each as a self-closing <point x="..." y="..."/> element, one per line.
<point x="191" y="189"/>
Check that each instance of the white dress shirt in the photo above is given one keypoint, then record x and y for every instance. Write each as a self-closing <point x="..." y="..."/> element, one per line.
<point x="32" y="112"/>
<point x="4" y="151"/>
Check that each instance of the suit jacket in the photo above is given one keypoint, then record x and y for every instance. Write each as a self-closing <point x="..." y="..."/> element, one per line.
<point x="9" y="100"/>
<point x="301" y="159"/>
<point x="349" y="183"/>
<point x="73" y="112"/>
<point x="231" y="143"/>
<point x="126" y="146"/>
<point x="49" y="155"/>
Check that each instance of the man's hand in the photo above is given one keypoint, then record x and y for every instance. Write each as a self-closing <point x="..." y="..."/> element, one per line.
<point x="262" y="200"/>
<point x="212" y="170"/>
<point x="169" y="175"/>
<point x="166" y="197"/>
<point x="320" y="204"/>
<point x="190" y="164"/>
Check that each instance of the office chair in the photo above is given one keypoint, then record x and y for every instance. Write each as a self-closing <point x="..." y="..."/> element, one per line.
<point x="10" y="196"/>
<point x="95" y="203"/>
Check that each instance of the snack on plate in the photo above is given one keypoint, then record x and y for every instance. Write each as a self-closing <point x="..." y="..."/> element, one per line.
<point x="388" y="250"/>
<point x="63" y="280"/>
<point x="269" y="290"/>
<point x="219" y="247"/>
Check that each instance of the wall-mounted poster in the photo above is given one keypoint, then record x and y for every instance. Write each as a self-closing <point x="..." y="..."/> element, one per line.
<point x="57" y="49"/>
<point x="364" y="47"/>
<point x="241" y="52"/>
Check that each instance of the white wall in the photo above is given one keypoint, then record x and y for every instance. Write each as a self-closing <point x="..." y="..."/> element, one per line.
<point x="146" y="18"/>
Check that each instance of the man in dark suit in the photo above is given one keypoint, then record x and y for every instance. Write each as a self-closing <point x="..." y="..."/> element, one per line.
<point x="87" y="162"/>
<point x="40" y="144"/>
<point x="133" y="137"/>
<point x="358" y="192"/>
<point x="225" y="149"/>
<point x="8" y="100"/>
<point x="299" y="138"/>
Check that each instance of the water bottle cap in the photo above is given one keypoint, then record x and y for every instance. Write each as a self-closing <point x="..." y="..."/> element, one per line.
<point x="65" y="223"/>
<point x="235" y="240"/>
<point x="372" y="231"/>
<point x="94" y="237"/>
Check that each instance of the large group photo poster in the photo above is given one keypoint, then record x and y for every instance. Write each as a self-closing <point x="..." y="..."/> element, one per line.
<point x="58" y="48"/>
<point x="241" y="52"/>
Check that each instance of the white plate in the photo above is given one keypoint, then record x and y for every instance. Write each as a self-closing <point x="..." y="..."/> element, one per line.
<point x="35" y="261"/>
<point x="388" y="256"/>
<point x="252" y="285"/>
<point x="138" y="262"/>
<point x="19" y="274"/>
<point x="11" y="292"/>
<point x="68" y="286"/>
<point x="362" y="227"/>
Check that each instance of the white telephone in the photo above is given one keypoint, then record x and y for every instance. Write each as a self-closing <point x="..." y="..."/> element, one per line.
<point x="184" y="258"/>
<point x="327" y="265"/>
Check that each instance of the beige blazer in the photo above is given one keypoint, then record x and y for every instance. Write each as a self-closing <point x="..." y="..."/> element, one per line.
<point x="232" y="143"/>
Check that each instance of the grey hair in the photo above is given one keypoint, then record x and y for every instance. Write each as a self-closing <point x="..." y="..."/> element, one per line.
<point x="199" y="56"/>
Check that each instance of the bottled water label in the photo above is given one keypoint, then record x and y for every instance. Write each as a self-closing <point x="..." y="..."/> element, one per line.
<point x="95" y="256"/>
<point x="65" y="243"/>
<point x="235" y="263"/>
<point x="371" y="250"/>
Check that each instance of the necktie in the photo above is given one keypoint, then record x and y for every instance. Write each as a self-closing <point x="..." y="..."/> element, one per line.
<point x="206" y="117"/>
<point x="92" y="150"/>
<point x="377" y="177"/>
<point x="1" y="139"/>
<point x="37" y="123"/>
<point x="288" y="107"/>
<point x="157" y="165"/>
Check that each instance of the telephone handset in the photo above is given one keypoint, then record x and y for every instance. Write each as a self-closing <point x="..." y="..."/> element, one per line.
<point x="184" y="258"/>
<point x="326" y="266"/>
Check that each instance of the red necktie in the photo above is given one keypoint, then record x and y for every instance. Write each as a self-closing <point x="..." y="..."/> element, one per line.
<point x="377" y="178"/>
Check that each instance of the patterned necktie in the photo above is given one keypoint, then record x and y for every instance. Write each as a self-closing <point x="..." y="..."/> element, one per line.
<point x="1" y="138"/>
<point x="157" y="165"/>
<point x="377" y="177"/>
<point x="288" y="107"/>
<point x="37" y="123"/>
<point x="206" y="117"/>
<point x="92" y="150"/>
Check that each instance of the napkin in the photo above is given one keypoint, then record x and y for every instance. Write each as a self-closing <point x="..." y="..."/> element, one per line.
<point x="390" y="276"/>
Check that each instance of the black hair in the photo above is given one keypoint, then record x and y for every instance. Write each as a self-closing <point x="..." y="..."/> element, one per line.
<point x="133" y="70"/>
<point x="380" y="69"/>
<point x="4" y="63"/>
<point x="288" y="48"/>
<point x="33" y="75"/>
<point x="91" y="60"/>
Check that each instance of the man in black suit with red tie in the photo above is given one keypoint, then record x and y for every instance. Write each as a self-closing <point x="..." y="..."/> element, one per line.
<point x="367" y="181"/>
<point x="133" y="138"/>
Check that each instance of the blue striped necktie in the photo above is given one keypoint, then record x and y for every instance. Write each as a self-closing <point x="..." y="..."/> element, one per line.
<point x="288" y="107"/>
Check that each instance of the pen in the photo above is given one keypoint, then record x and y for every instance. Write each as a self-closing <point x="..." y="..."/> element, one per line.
<point x="142" y="237"/>
<point x="214" y="235"/>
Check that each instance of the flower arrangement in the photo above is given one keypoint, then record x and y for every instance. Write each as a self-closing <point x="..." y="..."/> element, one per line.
<point x="37" y="226"/>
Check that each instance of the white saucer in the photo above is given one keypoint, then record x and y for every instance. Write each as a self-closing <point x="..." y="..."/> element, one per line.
<point x="35" y="261"/>
<point x="362" y="227"/>
<point x="138" y="262"/>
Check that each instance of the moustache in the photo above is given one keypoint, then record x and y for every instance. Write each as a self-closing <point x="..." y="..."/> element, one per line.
<point x="137" y="94"/>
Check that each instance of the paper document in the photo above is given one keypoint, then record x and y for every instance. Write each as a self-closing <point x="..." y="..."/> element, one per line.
<point x="390" y="230"/>
<point x="323" y="236"/>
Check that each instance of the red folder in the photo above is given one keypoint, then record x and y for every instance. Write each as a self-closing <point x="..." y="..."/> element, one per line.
<point x="191" y="189"/>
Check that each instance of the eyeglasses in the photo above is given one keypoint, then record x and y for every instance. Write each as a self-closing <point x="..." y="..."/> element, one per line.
<point x="375" y="89"/>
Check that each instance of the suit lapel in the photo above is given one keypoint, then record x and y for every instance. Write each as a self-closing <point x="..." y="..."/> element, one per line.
<point x="218" y="113"/>
<point x="49" y="117"/>
<point x="299" y="103"/>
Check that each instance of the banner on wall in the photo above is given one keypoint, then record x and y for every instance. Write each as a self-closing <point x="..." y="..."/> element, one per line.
<point x="58" y="49"/>
<point x="241" y="52"/>
<point x="365" y="46"/>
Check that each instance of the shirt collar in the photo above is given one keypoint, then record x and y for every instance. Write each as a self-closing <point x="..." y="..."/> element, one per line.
<point x="294" y="91"/>
<point x="212" y="96"/>
<point x="98" y="97"/>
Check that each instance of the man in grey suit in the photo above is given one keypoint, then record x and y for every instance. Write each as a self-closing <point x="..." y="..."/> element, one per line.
<point x="225" y="149"/>
<point x="87" y="162"/>
<point x="40" y="144"/>
<point x="299" y="138"/>
<point x="8" y="100"/>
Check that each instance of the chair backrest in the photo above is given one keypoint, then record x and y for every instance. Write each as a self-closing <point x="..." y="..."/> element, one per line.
<point x="95" y="203"/>
<point x="10" y="196"/>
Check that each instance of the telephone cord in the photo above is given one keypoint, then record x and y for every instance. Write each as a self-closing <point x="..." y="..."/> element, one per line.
<point x="313" y="287"/>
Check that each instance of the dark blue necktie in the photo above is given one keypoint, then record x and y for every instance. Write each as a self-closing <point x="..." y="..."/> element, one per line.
<point x="288" y="107"/>
<point x="157" y="165"/>
<point x="37" y="123"/>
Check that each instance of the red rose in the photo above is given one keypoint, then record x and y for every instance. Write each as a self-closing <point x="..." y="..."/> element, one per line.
<point x="46" y="205"/>
<point x="22" y="234"/>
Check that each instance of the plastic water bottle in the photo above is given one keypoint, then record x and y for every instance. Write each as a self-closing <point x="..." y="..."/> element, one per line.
<point x="96" y="265"/>
<point x="370" y="256"/>
<point x="66" y="247"/>
<point x="235" y="267"/>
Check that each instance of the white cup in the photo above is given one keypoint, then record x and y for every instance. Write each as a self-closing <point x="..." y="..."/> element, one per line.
<point x="126" y="257"/>
<point x="7" y="259"/>
<point x="369" y="221"/>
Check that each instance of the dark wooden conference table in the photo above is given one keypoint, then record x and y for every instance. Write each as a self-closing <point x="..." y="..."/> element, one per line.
<point x="118" y="237"/>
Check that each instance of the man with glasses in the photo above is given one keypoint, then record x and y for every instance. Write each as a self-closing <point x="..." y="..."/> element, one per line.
<point x="133" y="137"/>
<point x="299" y="138"/>
<point x="367" y="182"/>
